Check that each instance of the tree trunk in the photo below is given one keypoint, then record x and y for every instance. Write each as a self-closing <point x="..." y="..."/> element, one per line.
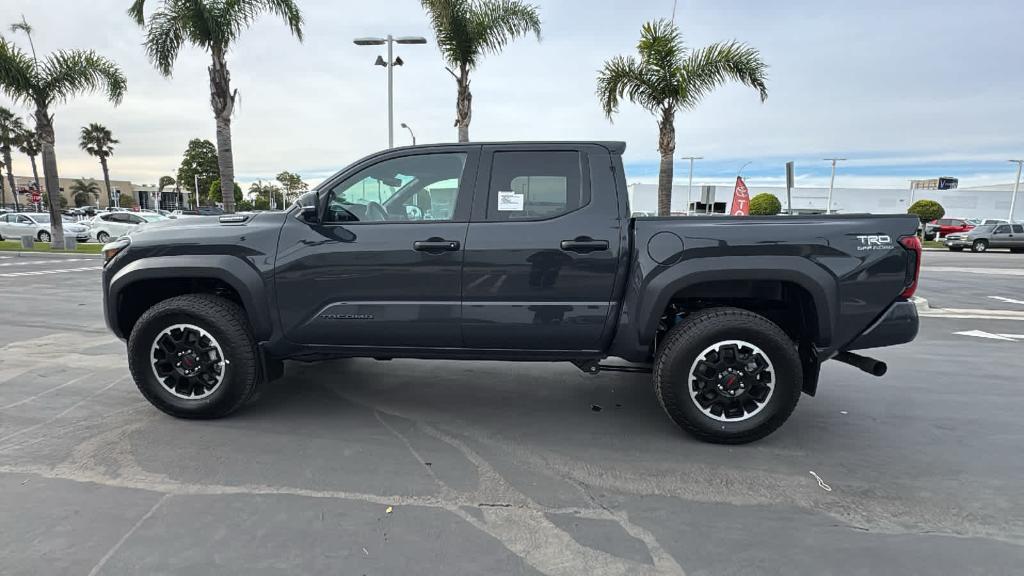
<point x="35" y="171"/>
<point x="223" y="102"/>
<point x="10" y="175"/>
<point x="463" y="104"/>
<point x="111" y="200"/>
<point x="44" y="126"/>
<point x="667" y="148"/>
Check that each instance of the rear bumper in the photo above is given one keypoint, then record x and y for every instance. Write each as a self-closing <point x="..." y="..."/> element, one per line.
<point x="898" y="325"/>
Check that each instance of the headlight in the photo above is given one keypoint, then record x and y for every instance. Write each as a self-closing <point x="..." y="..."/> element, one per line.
<point x="112" y="249"/>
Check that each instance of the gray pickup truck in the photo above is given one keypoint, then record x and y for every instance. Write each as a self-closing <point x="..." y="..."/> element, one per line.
<point x="511" y="251"/>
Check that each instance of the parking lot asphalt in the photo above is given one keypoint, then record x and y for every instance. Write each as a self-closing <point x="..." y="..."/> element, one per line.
<point x="431" y="467"/>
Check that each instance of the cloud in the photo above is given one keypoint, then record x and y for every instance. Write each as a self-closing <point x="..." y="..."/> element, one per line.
<point x="915" y="87"/>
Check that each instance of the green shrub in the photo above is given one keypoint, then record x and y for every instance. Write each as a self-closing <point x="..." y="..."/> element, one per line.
<point x="765" y="204"/>
<point x="927" y="210"/>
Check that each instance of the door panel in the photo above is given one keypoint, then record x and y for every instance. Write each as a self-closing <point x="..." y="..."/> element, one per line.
<point x="383" y="267"/>
<point x="366" y="285"/>
<point x="539" y="274"/>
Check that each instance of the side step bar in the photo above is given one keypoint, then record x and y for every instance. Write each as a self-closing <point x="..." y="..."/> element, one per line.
<point x="594" y="367"/>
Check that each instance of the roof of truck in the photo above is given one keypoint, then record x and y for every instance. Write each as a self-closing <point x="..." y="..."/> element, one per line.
<point x="614" y="147"/>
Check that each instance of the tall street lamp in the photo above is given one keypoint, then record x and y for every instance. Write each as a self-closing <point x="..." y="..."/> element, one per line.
<point x="390" y="65"/>
<point x="832" y="182"/>
<point x="689" y="190"/>
<point x="1016" y="186"/>
<point x="406" y="126"/>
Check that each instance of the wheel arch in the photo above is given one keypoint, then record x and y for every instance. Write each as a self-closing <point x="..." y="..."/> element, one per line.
<point x="145" y="282"/>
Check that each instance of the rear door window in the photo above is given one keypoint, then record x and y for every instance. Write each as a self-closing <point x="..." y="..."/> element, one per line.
<point x="1018" y="228"/>
<point x="534" y="185"/>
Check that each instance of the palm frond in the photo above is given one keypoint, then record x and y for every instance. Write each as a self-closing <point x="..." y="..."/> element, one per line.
<point x="661" y="45"/>
<point x="135" y="11"/>
<point x="709" y="67"/>
<point x="28" y="143"/>
<point x="21" y="27"/>
<point x="450" y="21"/>
<point x="11" y="128"/>
<point x="495" y="23"/>
<point x="66" y="73"/>
<point x="625" y="77"/>
<point x="17" y="73"/>
<point x="242" y="13"/>
<point x="165" y="36"/>
<point x="97" y="140"/>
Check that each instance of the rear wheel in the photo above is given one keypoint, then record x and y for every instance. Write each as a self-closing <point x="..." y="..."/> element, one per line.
<point x="44" y="236"/>
<point x="979" y="246"/>
<point x="193" y="356"/>
<point x="728" y="376"/>
<point x="102" y="237"/>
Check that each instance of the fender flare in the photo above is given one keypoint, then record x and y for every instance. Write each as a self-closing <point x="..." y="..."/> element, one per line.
<point x="233" y="271"/>
<point x="666" y="283"/>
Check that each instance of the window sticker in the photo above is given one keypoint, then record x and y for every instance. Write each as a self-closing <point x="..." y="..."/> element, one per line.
<point x="509" y="201"/>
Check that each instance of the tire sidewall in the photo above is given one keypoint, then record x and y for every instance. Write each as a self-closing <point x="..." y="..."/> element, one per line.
<point x="103" y="237"/>
<point x="232" y="389"/>
<point x="45" y="236"/>
<point x="979" y="246"/>
<point x="675" y="369"/>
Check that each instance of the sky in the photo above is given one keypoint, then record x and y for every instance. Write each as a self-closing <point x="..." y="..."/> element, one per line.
<point x="907" y="89"/>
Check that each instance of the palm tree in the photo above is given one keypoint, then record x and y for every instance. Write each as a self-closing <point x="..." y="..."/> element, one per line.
<point x="213" y="25"/>
<point x="669" y="77"/>
<point x="28" y="144"/>
<point x="10" y="128"/>
<point x="97" y="141"/>
<point x="468" y="30"/>
<point x="81" y="190"/>
<point x="52" y="80"/>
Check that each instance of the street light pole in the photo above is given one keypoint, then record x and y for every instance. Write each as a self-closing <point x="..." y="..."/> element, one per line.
<point x="390" y="65"/>
<point x="1016" y="186"/>
<point x="406" y="126"/>
<point x="689" y="190"/>
<point x="832" y="182"/>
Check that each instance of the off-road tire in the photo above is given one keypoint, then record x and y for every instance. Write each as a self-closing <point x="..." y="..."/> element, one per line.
<point x="227" y="323"/>
<point x="684" y="342"/>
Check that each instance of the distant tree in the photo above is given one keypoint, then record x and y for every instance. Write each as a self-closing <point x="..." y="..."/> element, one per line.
<point x="269" y="193"/>
<point x="10" y="130"/>
<point x="127" y="200"/>
<point x="765" y="204"/>
<point x="260" y="203"/>
<point x="214" y="194"/>
<point x="97" y="141"/>
<point x="84" y="192"/>
<point x="468" y="30"/>
<point x="165" y="181"/>
<point x="292" y="185"/>
<point x="29" y="145"/>
<point x="200" y="160"/>
<point x="927" y="210"/>
<point x="213" y="26"/>
<point x="244" y="205"/>
<point x="55" y="79"/>
<point x="669" y="77"/>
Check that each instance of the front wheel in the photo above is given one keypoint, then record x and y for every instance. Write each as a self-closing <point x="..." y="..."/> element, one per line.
<point x="979" y="246"/>
<point x="728" y="376"/>
<point x="103" y="237"/>
<point x="44" y="236"/>
<point x="193" y="356"/>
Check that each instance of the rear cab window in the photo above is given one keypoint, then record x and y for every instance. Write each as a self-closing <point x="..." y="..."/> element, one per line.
<point x="534" y="185"/>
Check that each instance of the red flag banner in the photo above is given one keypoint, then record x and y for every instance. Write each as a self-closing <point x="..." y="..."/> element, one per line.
<point x="740" y="199"/>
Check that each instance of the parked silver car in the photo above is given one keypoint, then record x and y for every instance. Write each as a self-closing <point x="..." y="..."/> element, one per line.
<point x="14" y="225"/>
<point x="986" y="236"/>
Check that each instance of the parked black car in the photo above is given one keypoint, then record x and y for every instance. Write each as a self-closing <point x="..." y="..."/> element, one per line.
<point x="513" y="251"/>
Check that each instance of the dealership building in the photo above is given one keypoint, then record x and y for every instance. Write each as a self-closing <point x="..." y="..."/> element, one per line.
<point x="980" y="202"/>
<point x="145" y="195"/>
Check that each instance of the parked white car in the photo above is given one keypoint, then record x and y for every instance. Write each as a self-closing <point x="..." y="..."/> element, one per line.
<point x="109" y="225"/>
<point x="14" y="225"/>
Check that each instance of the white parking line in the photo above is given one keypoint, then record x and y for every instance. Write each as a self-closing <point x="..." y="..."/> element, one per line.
<point x="991" y="336"/>
<point x="1000" y="298"/>
<point x="42" y="272"/>
<point x="983" y="271"/>
<point x="28" y="262"/>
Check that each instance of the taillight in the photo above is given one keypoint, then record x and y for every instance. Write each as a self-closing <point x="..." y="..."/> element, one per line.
<point x="913" y="246"/>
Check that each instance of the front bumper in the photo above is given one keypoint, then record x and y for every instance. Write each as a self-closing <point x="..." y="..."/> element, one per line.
<point x="957" y="242"/>
<point x="898" y="325"/>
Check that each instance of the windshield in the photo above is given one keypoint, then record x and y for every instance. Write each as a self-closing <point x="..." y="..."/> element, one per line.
<point x="985" y="229"/>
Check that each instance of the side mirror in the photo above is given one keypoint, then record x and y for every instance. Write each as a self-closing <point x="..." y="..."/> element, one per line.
<point x="309" y="214"/>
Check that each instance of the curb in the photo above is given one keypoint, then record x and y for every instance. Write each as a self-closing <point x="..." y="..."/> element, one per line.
<point x="57" y="255"/>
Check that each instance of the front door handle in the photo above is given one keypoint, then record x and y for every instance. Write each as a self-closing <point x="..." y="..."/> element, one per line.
<point x="584" y="245"/>
<point x="436" y="245"/>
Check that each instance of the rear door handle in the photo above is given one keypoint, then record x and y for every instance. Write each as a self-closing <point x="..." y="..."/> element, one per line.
<point x="584" y="244"/>
<point x="436" y="245"/>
